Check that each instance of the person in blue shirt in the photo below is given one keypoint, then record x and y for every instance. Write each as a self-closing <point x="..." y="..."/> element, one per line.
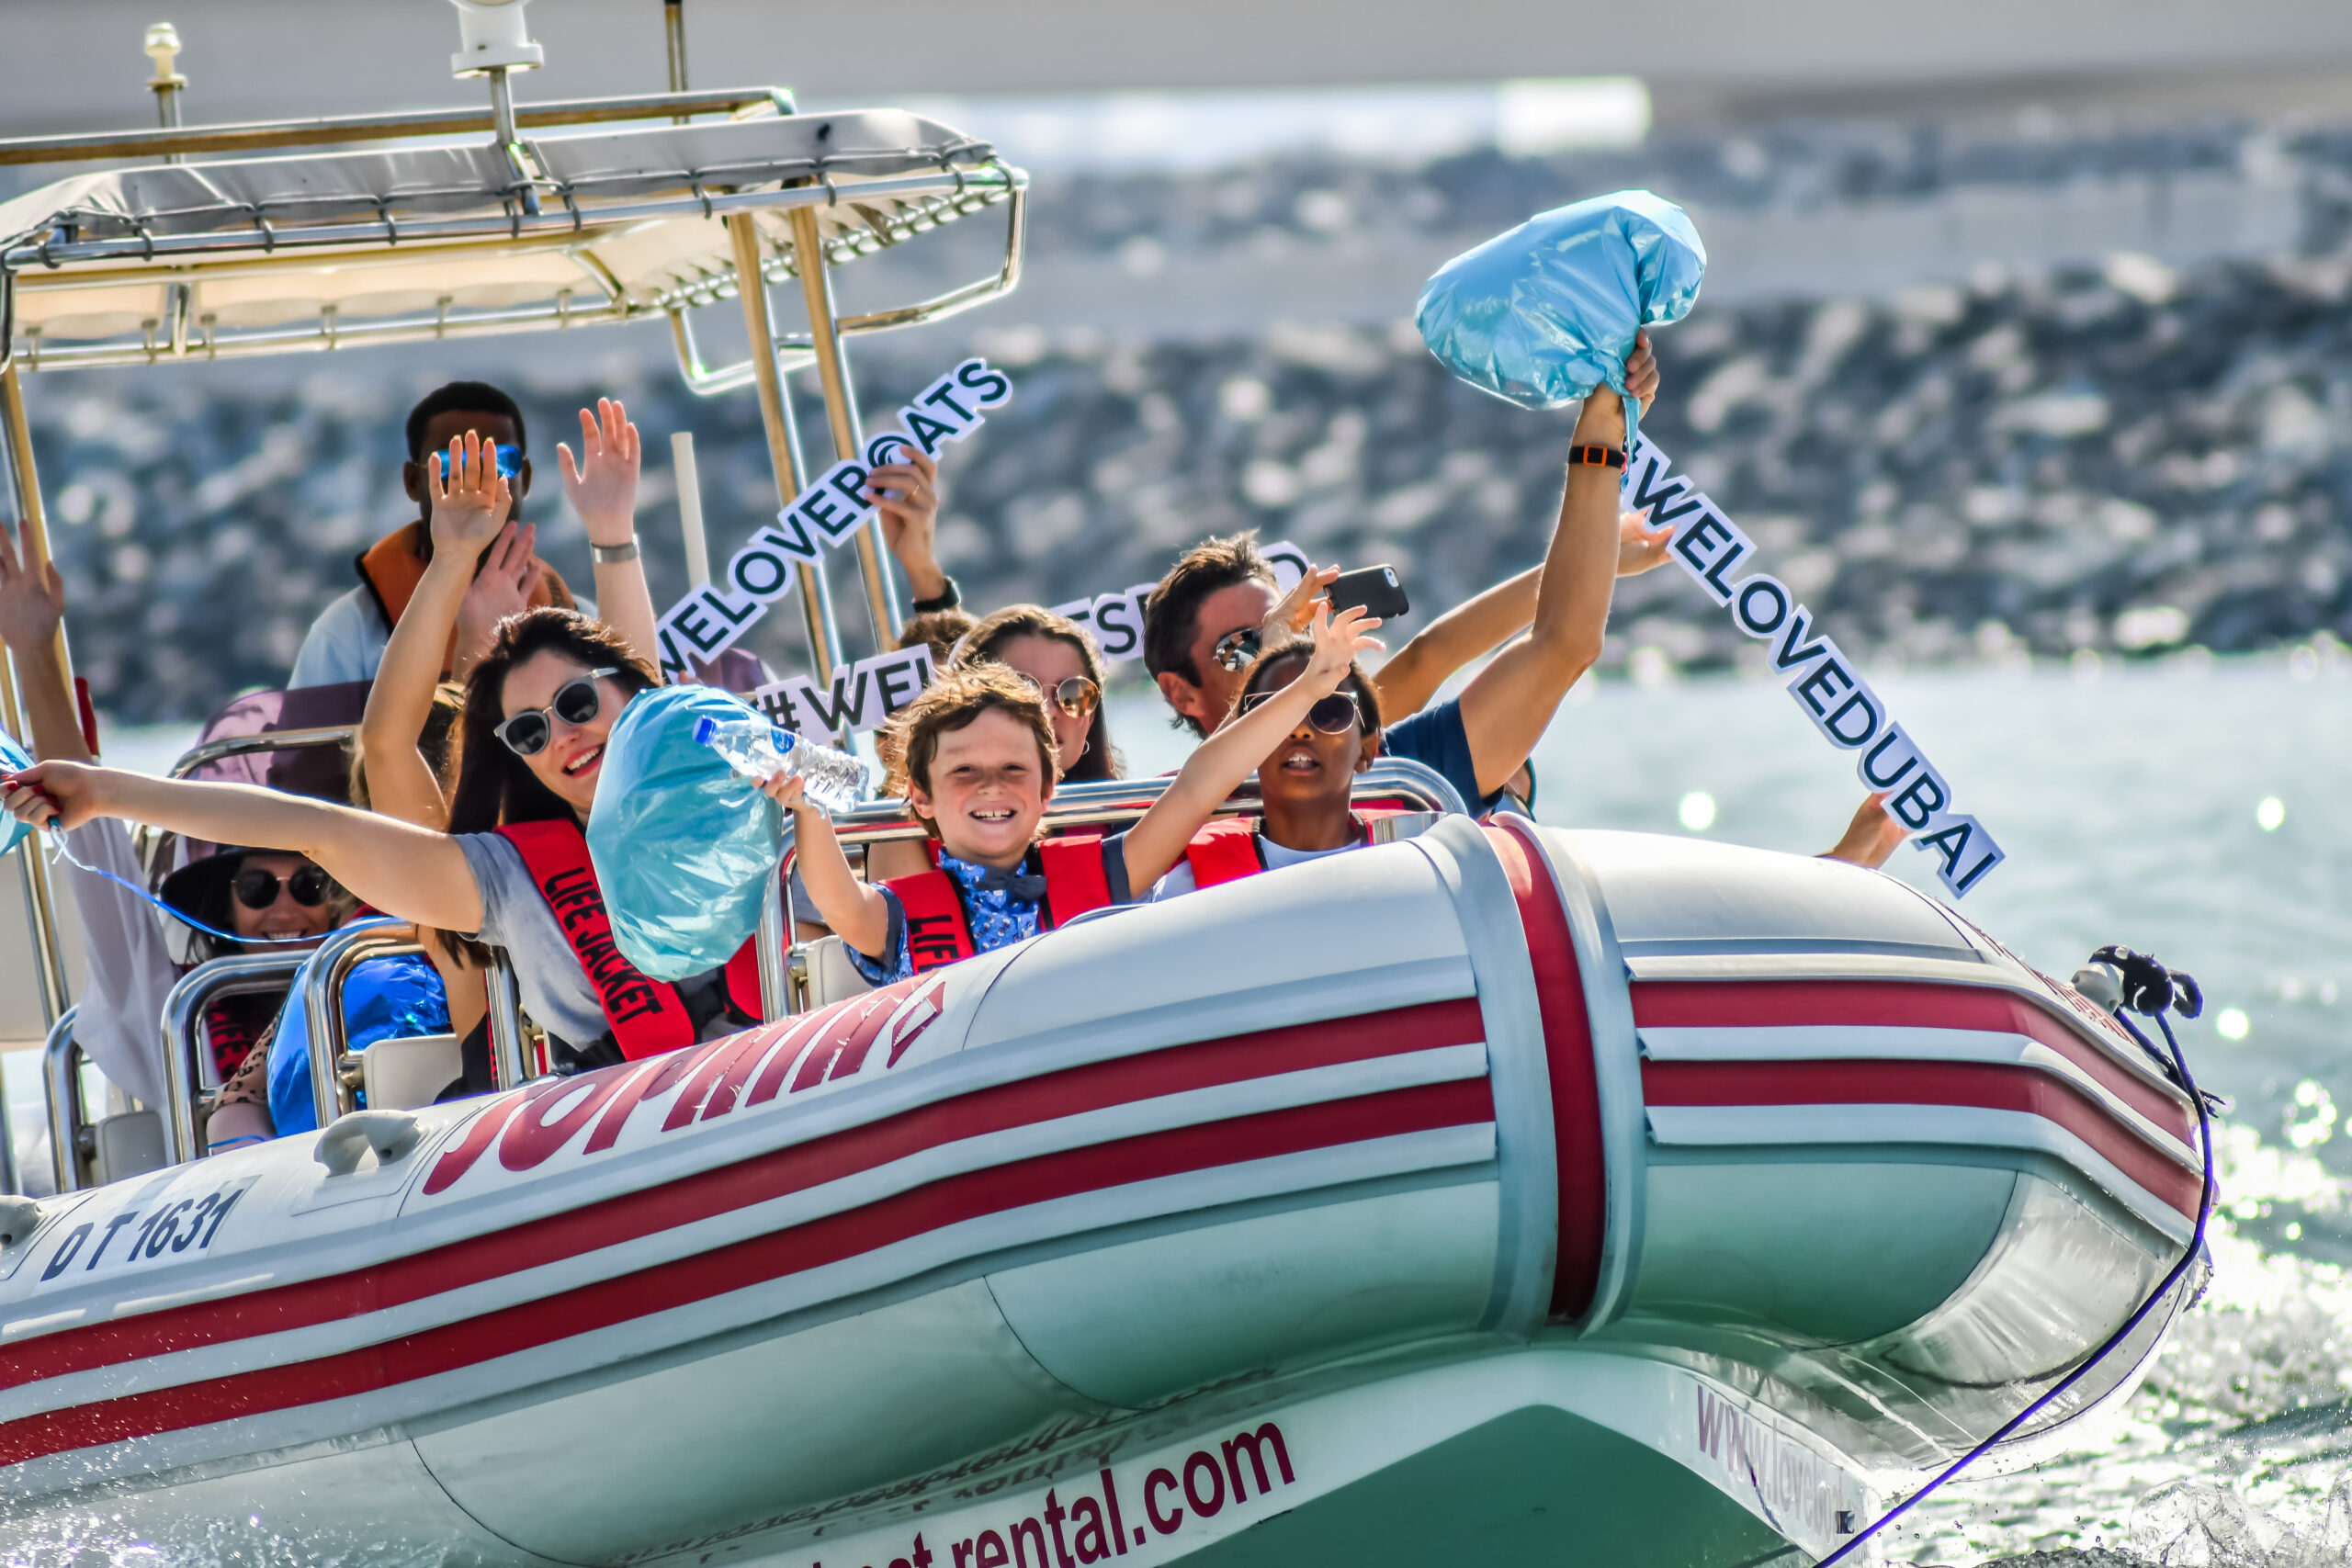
<point x="1209" y="618"/>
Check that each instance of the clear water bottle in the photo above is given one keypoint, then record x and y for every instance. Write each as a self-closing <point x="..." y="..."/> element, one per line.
<point x="757" y="750"/>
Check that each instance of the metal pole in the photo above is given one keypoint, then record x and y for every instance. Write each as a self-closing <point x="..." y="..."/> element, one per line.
<point x="63" y="1090"/>
<point x="840" y="414"/>
<point x="674" y="27"/>
<point x="506" y="1066"/>
<point x="502" y="107"/>
<point x="32" y="538"/>
<point x="682" y="462"/>
<point x="774" y="941"/>
<point x="783" y="442"/>
<point x="163" y="47"/>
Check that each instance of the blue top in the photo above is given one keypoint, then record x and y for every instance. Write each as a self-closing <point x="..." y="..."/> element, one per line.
<point x="1435" y="737"/>
<point x="383" y="998"/>
<point x="998" y="916"/>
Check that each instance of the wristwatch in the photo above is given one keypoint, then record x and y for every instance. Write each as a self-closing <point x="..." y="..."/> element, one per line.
<point x="1598" y="456"/>
<point x="613" y="555"/>
<point x="948" y="598"/>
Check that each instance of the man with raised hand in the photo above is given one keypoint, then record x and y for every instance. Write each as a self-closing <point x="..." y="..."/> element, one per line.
<point x="1205" y="621"/>
<point x="346" y="642"/>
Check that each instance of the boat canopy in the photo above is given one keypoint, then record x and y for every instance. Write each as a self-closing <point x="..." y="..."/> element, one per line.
<point x="281" y="255"/>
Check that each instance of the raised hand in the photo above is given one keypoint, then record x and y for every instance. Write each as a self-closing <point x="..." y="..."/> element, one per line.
<point x="64" y="793"/>
<point x="789" y="790"/>
<point x="1601" y="422"/>
<point x="907" y="495"/>
<point x="31" y="603"/>
<point x="1641" y="371"/>
<point x="1639" y="548"/>
<point x="469" y="495"/>
<point x="1295" y="610"/>
<point x="1870" y="837"/>
<point x="1337" y="639"/>
<point x="602" y="482"/>
<point x="502" y="588"/>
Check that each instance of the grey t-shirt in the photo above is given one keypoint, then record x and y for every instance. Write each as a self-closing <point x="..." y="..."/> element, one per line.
<point x="514" y="916"/>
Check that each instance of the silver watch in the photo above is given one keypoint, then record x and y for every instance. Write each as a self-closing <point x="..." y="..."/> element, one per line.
<point x="613" y="555"/>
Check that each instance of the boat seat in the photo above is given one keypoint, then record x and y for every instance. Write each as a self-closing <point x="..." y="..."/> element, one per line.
<point x="409" y="1072"/>
<point x="830" y="974"/>
<point x="127" y="1145"/>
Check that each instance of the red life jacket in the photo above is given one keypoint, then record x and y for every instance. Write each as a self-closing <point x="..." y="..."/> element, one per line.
<point x="940" y="933"/>
<point x="647" y="1016"/>
<point x="1228" y="848"/>
<point x="234" y="1025"/>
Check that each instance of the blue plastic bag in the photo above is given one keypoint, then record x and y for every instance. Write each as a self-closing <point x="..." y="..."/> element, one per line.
<point x="685" y="848"/>
<point x="383" y="998"/>
<point x="14" y="759"/>
<point x="1543" y="314"/>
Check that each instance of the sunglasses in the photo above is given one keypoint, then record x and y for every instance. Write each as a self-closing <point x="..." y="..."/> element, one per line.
<point x="577" y="701"/>
<point x="1076" y="697"/>
<point x="257" y="888"/>
<point x="510" y="461"/>
<point x="1331" y="715"/>
<point x="1237" y="649"/>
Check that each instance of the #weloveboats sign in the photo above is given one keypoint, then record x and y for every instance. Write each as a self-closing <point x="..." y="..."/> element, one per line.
<point x="705" y="622"/>
<point x="1821" y="680"/>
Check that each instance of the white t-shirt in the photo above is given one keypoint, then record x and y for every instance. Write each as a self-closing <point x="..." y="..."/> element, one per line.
<point x="1179" y="881"/>
<point x="347" y="641"/>
<point x="119" y="1025"/>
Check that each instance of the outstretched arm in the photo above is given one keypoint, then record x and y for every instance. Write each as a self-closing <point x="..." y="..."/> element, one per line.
<point x="470" y="501"/>
<point x="857" y="913"/>
<point x="399" y="868"/>
<point x="1220" y="762"/>
<point x="32" y="606"/>
<point x="1507" y="707"/>
<point x="601" y="484"/>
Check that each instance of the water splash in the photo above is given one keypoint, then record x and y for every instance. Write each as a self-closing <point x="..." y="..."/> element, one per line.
<point x="2237" y="1451"/>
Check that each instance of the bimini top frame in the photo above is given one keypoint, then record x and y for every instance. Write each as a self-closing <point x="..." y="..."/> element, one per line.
<point x="273" y="255"/>
<point x="521" y="231"/>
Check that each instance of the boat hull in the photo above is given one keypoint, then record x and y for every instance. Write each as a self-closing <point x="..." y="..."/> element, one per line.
<point x="1650" y="1170"/>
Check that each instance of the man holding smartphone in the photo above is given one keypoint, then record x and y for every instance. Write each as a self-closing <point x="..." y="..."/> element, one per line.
<point x="1205" y="621"/>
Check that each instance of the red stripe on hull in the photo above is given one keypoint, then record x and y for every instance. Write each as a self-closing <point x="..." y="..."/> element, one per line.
<point x="635" y="1215"/>
<point x="1989" y="1085"/>
<point x="1898" y="1004"/>
<point x="755" y="1261"/>
<point x="1575" y="1085"/>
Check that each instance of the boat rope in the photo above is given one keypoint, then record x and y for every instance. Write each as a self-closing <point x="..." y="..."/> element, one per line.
<point x="2147" y="987"/>
<point x="61" y="850"/>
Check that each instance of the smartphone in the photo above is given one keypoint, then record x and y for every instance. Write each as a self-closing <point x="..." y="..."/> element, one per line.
<point x="1377" y="588"/>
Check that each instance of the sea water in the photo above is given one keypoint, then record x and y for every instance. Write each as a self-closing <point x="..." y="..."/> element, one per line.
<point x="2189" y="807"/>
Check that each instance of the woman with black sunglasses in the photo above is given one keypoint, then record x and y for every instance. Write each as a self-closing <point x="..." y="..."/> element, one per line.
<point x="511" y="869"/>
<point x="1305" y="785"/>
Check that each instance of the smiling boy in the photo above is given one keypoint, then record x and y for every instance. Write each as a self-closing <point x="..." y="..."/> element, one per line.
<point x="980" y="769"/>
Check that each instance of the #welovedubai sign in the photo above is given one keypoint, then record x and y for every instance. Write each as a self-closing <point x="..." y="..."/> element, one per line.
<point x="707" y="622"/>
<point x="1823" y="681"/>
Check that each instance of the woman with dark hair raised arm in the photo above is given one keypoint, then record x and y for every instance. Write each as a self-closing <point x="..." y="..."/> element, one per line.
<point x="539" y="707"/>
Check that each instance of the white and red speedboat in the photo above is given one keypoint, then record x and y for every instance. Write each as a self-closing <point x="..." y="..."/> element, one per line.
<point x="1501" y="1194"/>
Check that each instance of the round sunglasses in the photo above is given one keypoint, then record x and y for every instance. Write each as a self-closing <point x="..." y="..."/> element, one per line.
<point x="577" y="701"/>
<point x="1076" y="697"/>
<point x="256" y="887"/>
<point x="1331" y="715"/>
